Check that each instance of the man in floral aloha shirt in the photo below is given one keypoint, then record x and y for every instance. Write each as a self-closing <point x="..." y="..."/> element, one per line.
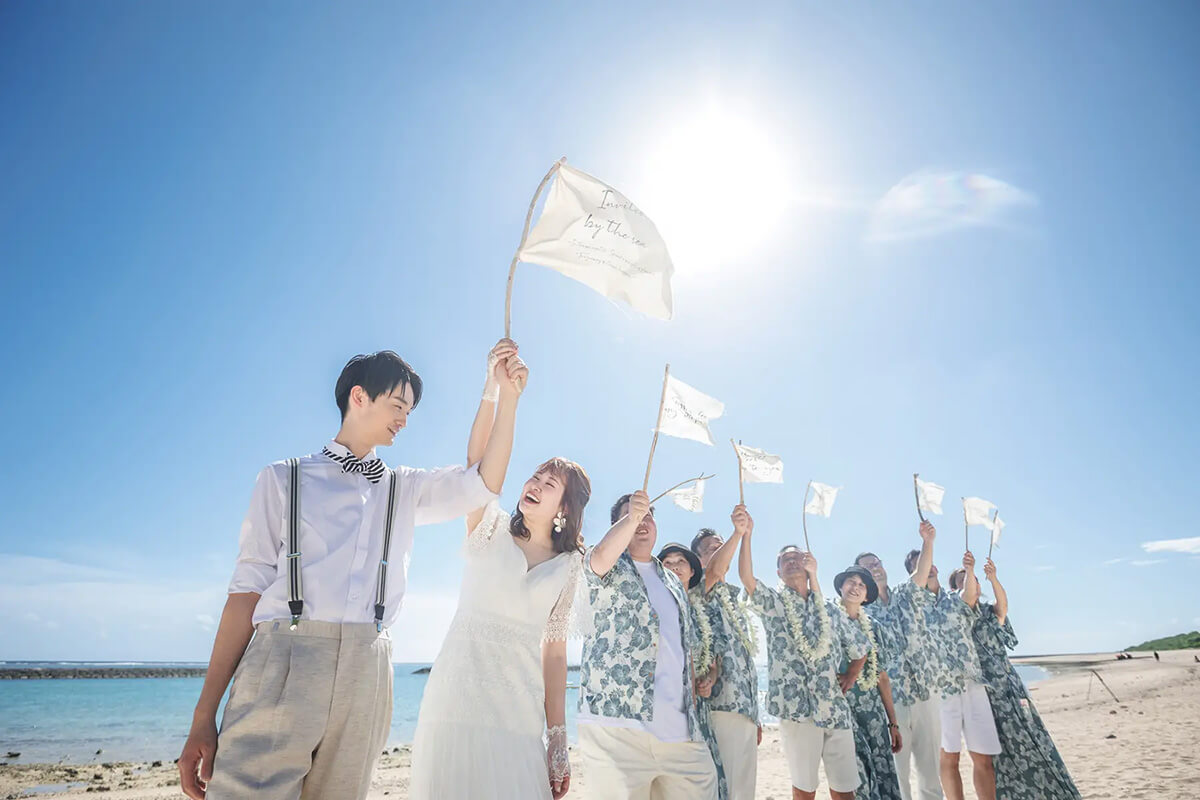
<point x="639" y="732"/>
<point x="805" y="643"/>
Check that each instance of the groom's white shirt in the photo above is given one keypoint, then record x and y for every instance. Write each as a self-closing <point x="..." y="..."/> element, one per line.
<point x="341" y="534"/>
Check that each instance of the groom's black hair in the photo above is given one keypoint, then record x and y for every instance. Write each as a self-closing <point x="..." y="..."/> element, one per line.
<point x="910" y="560"/>
<point x="377" y="373"/>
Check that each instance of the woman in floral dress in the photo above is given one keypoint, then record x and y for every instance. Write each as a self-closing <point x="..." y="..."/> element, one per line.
<point x="876" y="735"/>
<point x="1029" y="768"/>
<point x="709" y="642"/>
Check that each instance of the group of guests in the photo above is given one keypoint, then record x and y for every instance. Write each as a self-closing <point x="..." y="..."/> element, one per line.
<point x="874" y="685"/>
<point x="868" y="685"/>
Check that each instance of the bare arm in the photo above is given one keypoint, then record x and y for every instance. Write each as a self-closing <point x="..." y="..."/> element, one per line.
<point x="746" y="565"/>
<point x="554" y="675"/>
<point x="971" y="586"/>
<point x="1001" y="607"/>
<point x="233" y="635"/>
<point x="847" y="678"/>
<point x="481" y="428"/>
<point x="605" y="554"/>
<point x="494" y="464"/>
<point x="925" y="563"/>
<point x="718" y="565"/>
<point x="885" y="692"/>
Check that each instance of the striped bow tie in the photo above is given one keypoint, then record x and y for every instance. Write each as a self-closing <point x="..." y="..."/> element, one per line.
<point x="371" y="470"/>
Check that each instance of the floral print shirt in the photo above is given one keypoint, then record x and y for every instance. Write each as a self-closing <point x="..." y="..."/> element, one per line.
<point x="951" y="621"/>
<point x="913" y="663"/>
<point x="798" y="689"/>
<point x="616" y="674"/>
<point x="736" y="689"/>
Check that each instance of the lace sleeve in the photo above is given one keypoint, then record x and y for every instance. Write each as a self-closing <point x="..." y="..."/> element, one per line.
<point x="494" y="520"/>
<point x="571" y="617"/>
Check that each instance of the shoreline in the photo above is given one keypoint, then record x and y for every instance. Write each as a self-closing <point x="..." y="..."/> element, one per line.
<point x="1109" y="745"/>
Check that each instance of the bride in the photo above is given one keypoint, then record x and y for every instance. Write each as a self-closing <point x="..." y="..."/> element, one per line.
<point x="501" y="676"/>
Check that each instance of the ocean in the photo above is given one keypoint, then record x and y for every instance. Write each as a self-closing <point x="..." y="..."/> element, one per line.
<point x="147" y="719"/>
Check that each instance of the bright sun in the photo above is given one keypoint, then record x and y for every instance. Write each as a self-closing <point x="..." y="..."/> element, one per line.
<point x="715" y="186"/>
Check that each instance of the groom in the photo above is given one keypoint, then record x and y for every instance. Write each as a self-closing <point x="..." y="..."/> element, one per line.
<point x="639" y="734"/>
<point x="311" y="702"/>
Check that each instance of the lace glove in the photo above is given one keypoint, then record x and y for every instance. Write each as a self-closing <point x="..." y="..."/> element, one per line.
<point x="556" y="753"/>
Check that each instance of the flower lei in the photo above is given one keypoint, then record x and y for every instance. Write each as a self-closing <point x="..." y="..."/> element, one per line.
<point x="811" y="652"/>
<point x="705" y="659"/>
<point x="740" y="622"/>
<point x="868" y="679"/>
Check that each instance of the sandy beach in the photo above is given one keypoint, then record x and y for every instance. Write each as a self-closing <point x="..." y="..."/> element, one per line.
<point x="1140" y="747"/>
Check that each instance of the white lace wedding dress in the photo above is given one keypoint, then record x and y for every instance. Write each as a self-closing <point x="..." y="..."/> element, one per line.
<point x="479" y="733"/>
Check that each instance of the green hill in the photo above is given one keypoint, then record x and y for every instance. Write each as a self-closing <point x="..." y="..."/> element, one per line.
<point x="1182" y="641"/>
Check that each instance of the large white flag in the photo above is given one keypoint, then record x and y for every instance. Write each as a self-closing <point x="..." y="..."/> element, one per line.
<point x="690" y="498"/>
<point x="929" y="496"/>
<point x="687" y="411"/>
<point x="759" y="466"/>
<point x="823" y="496"/>
<point x="591" y="232"/>
<point x="978" y="511"/>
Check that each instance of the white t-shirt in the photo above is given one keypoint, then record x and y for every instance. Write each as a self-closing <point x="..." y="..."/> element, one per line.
<point x="669" y="722"/>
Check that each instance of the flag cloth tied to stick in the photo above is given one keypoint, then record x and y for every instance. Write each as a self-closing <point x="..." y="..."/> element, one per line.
<point x="591" y="232"/>
<point x="978" y="511"/>
<point x="997" y="525"/>
<point x="690" y="498"/>
<point x="759" y="466"/>
<point x="686" y="412"/>
<point x="822" y="500"/>
<point x="929" y="496"/>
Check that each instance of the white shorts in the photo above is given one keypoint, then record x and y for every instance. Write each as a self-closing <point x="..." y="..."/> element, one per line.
<point x="969" y="715"/>
<point x="806" y="746"/>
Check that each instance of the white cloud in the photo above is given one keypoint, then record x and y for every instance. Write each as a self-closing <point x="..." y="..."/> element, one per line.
<point x="1040" y="546"/>
<point x="1112" y="561"/>
<point x="36" y="570"/>
<point x="207" y="623"/>
<point x="929" y="203"/>
<point x="1146" y="563"/>
<point x="1173" y="546"/>
<point x="1043" y="569"/>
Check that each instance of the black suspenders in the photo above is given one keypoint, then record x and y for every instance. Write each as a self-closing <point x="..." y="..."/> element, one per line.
<point x="295" y="587"/>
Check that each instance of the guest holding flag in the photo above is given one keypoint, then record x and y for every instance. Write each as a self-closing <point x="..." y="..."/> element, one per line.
<point x="639" y="729"/>
<point x="1028" y="766"/>
<point x="914" y="670"/>
<point x="734" y="700"/>
<point x="876" y="734"/>
<point x="966" y="712"/>
<point x="706" y="646"/>
<point x="806" y="641"/>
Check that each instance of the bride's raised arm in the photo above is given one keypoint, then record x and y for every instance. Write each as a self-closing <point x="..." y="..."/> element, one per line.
<point x="485" y="416"/>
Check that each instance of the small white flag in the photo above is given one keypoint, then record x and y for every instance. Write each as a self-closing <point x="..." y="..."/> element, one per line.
<point x="690" y="498"/>
<point x="929" y="496"/>
<point x="591" y="232"/>
<point x="997" y="525"/>
<point x="822" y="499"/>
<point x="978" y="511"/>
<point x="686" y="412"/>
<point x="759" y="466"/>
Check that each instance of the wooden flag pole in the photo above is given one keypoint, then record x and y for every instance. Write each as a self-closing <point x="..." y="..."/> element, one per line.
<point x="512" y="268"/>
<point x="804" y="516"/>
<point x="657" y="425"/>
<point x="917" y="494"/>
<point x="661" y="495"/>
<point x="992" y="540"/>
<point x="741" y="487"/>
<point x="966" y="527"/>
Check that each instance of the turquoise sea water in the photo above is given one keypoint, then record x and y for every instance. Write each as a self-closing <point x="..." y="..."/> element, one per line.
<point x="143" y="719"/>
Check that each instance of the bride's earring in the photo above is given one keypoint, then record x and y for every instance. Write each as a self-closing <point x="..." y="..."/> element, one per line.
<point x="560" y="521"/>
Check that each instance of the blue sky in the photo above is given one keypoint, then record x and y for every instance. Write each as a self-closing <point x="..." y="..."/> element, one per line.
<point x="208" y="207"/>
